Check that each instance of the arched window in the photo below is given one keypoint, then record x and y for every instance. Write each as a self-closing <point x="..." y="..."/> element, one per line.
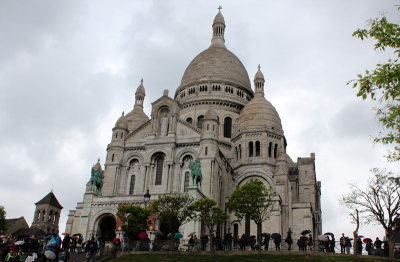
<point x="189" y="120"/>
<point x="236" y="153"/>
<point x="132" y="186"/>
<point x="159" y="170"/>
<point x="55" y="218"/>
<point x="38" y="216"/>
<point x="112" y="158"/>
<point x="122" y="134"/>
<point x="275" y="150"/>
<point x="258" y="148"/>
<point x="187" y="181"/>
<point x="44" y="215"/>
<point x="240" y="151"/>
<point x="116" y="135"/>
<point x="235" y="230"/>
<point x="208" y="126"/>
<point x="228" y="127"/>
<point x="200" y="121"/>
<point x="250" y="149"/>
<point x="50" y="214"/>
<point x="270" y="149"/>
<point x="206" y="150"/>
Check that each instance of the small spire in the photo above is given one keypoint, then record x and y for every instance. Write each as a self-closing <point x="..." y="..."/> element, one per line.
<point x="123" y="113"/>
<point x="141" y="81"/>
<point x="98" y="161"/>
<point x="219" y="8"/>
<point x="259" y="67"/>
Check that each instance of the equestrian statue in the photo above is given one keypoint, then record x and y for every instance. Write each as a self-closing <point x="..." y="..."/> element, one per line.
<point x="96" y="180"/>
<point x="197" y="177"/>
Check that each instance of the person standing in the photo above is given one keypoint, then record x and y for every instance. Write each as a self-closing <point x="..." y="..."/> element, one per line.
<point x="289" y="240"/>
<point x="300" y="243"/>
<point x="378" y="246"/>
<point x="359" y="246"/>
<point x="266" y="241"/>
<point x="243" y="242"/>
<point x="310" y="242"/>
<point x="348" y="245"/>
<point x="342" y="244"/>
<point x="277" y="242"/>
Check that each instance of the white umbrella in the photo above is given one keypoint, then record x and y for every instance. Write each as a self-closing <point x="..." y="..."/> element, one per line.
<point x="323" y="238"/>
<point x="18" y="243"/>
<point x="50" y="254"/>
<point x="192" y="234"/>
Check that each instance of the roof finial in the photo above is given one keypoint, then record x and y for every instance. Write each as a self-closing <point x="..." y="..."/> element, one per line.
<point x="98" y="160"/>
<point x="259" y="66"/>
<point x="219" y="8"/>
<point x="141" y="81"/>
<point x="51" y="189"/>
<point x="123" y="113"/>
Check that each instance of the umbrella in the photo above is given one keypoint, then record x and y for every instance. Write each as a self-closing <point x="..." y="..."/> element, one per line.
<point x="323" y="238"/>
<point x="360" y="236"/>
<point x="18" y="243"/>
<point x="11" y="245"/>
<point x="158" y="233"/>
<point x="66" y="234"/>
<point x="116" y="240"/>
<point x="204" y="237"/>
<point x="51" y="243"/>
<point x="251" y="237"/>
<point x="192" y="234"/>
<point x="33" y="238"/>
<point x="276" y="236"/>
<point x="142" y="235"/>
<point x="77" y="234"/>
<point x="329" y="234"/>
<point x="178" y="235"/>
<point x="48" y="237"/>
<point x="305" y="232"/>
<point x="366" y="240"/>
<point x="264" y="234"/>
<point x="50" y="254"/>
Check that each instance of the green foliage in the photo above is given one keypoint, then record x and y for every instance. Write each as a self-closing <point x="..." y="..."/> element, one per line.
<point x="3" y="222"/>
<point x="173" y="209"/>
<point x="383" y="82"/>
<point x="252" y="199"/>
<point x="135" y="217"/>
<point x="208" y="213"/>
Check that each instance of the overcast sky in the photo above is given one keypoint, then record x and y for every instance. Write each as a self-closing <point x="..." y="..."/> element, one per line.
<point x="69" y="68"/>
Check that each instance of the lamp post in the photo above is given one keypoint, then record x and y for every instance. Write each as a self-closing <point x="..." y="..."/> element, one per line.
<point x="146" y="198"/>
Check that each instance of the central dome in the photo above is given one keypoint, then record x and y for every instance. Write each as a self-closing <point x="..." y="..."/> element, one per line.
<point x="216" y="63"/>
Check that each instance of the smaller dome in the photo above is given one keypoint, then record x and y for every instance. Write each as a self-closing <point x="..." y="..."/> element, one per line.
<point x="219" y="18"/>
<point x="259" y="75"/>
<point x="211" y="114"/>
<point x="121" y="122"/>
<point x="140" y="89"/>
<point x="259" y="113"/>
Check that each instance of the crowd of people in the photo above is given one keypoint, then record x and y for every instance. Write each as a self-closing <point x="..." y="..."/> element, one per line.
<point x="376" y="248"/>
<point x="49" y="248"/>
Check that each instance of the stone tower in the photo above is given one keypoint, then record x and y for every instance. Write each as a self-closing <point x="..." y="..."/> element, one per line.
<point x="47" y="214"/>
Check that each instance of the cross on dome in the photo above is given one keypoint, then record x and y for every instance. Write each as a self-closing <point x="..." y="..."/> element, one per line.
<point x="219" y="8"/>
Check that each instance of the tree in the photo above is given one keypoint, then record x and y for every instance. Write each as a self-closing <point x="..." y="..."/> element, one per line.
<point x="383" y="82"/>
<point x="254" y="200"/>
<point x="3" y="222"/>
<point x="379" y="203"/>
<point x="173" y="210"/>
<point x="209" y="215"/>
<point x="135" y="217"/>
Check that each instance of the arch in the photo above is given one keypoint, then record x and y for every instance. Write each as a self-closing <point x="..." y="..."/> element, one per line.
<point x="154" y="153"/>
<point x="55" y="218"/>
<point x="251" y="149"/>
<point x="228" y="127"/>
<point x="200" y="120"/>
<point x="132" y="185"/>
<point x="267" y="177"/>
<point x="182" y="154"/>
<point x="44" y="215"/>
<point x="189" y="120"/>
<point x="94" y="224"/>
<point x="50" y="214"/>
<point x="240" y="151"/>
<point x="38" y="216"/>
<point x="258" y="148"/>
<point x="129" y="157"/>
<point x="112" y="158"/>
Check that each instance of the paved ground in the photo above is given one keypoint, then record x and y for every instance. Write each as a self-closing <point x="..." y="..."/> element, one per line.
<point x="75" y="256"/>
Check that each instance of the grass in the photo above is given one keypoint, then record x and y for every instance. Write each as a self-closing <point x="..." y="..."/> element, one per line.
<point x="237" y="258"/>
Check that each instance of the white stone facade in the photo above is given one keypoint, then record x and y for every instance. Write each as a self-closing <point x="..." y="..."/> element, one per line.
<point x="215" y="117"/>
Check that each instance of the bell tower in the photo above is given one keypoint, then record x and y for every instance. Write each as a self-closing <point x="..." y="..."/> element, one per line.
<point x="47" y="214"/>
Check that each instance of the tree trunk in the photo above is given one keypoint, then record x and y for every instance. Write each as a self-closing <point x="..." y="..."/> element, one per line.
<point x="211" y="243"/>
<point x="172" y="244"/>
<point x="392" y="239"/>
<point x="355" y="234"/>
<point x="259" y="239"/>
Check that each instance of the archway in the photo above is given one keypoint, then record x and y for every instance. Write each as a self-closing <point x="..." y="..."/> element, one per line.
<point x="106" y="228"/>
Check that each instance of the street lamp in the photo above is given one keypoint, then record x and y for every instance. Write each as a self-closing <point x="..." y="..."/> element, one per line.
<point x="146" y="197"/>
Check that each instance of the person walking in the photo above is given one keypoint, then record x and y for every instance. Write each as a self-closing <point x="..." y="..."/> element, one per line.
<point x="243" y="242"/>
<point x="277" y="242"/>
<point x="266" y="241"/>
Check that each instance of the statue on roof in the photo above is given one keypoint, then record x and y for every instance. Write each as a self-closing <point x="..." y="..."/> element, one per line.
<point x="96" y="180"/>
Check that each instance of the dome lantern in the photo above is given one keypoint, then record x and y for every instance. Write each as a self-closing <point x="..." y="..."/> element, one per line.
<point x="140" y="94"/>
<point x="218" y="30"/>
<point x="259" y="83"/>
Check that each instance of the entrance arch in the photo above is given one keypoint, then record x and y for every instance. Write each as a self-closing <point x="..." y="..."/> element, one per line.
<point x="106" y="228"/>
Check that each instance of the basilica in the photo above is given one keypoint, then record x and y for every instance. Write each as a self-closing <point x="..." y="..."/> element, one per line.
<point x="217" y="117"/>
